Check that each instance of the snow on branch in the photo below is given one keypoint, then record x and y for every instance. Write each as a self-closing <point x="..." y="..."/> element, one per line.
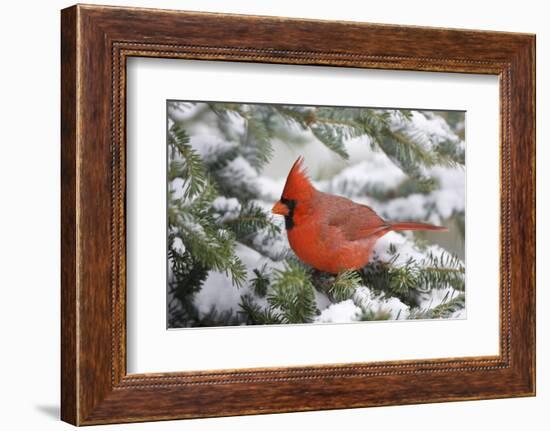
<point x="229" y="259"/>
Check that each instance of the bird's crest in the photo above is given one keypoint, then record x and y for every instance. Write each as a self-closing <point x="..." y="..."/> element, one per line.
<point x="298" y="185"/>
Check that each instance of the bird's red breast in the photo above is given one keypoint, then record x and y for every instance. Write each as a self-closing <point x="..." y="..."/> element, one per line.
<point x="331" y="233"/>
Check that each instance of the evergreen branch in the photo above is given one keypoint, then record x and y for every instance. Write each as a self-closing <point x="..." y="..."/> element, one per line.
<point x="392" y="280"/>
<point x="217" y="318"/>
<point x="332" y="137"/>
<point x="405" y="153"/>
<point x="448" y="150"/>
<point x="190" y="168"/>
<point x="211" y="245"/>
<point x="256" y="315"/>
<point x="407" y="149"/>
<point x="237" y="270"/>
<point x="258" y="149"/>
<point x="181" y="106"/>
<point x="260" y="283"/>
<point x="250" y="220"/>
<point x="445" y="270"/>
<point x="293" y="295"/>
<point x="255" y="142"/>
<point x="303" y="117"/>
<point x="344" y="285"/>
<point x="375" y="315"/>
<point x="329" y="132"/>
<point x="405" y="114"/>
<point x="403" y="280"/>
<point x="208" y="237"/>
<point x="236" y="178"/>
<point x="188" y="276"/>
<point x="443" y="310"/>
<point x="222" y="109"/>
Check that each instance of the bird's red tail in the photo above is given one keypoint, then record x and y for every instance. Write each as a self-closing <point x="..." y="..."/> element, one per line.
<point x="416" y="226"/>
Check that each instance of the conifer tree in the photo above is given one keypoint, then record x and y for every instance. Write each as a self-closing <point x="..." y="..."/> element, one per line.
<point x="218" y="214"/>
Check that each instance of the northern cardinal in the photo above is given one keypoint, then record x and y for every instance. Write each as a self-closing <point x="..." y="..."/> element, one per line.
<point x="331" y="233"/>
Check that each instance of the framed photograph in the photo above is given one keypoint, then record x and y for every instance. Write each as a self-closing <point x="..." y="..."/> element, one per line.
<point x="264" y="215"/>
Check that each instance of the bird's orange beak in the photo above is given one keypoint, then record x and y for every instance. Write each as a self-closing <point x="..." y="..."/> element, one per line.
<point x="280" y="209"/>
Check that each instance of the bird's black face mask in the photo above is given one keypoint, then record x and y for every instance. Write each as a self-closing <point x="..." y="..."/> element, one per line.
<point x="290" y="204"/>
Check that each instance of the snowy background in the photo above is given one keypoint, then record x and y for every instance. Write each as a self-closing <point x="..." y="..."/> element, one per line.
<point x="229" y="261"/>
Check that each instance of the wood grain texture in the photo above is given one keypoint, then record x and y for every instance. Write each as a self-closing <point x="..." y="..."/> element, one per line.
<point x="96" y="41"/>
<point x="69" y="397"/>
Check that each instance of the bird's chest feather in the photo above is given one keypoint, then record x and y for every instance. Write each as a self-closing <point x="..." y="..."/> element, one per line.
<point x="305" y="232"/>
<point x="310" y="237"/>
<point x="308" y="242"/>
<point x="323" y="245"/>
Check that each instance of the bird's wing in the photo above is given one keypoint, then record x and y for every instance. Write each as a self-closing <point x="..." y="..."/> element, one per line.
<point x="354" y="221"/>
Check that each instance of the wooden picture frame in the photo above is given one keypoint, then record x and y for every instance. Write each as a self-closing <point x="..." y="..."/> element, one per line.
<point x="96" y="41"/>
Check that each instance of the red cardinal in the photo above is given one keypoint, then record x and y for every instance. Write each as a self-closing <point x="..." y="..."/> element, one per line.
<point x="328" y="232"/>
